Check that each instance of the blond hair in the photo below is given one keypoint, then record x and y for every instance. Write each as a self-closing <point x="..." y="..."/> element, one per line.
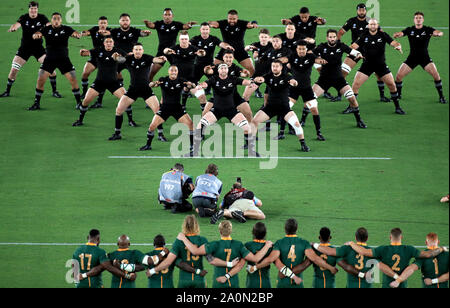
<point x="190" y="225"/>
<point x="225" y="228"/>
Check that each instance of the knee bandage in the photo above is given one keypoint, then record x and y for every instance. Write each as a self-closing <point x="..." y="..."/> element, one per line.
<point x="16" y="66"/>
<point x="293" y="121"/>
<point x="346" y="68"/>
<point x="199" y="93"/>
<point x="349" y="94"/>
<point x="312" y="104"/>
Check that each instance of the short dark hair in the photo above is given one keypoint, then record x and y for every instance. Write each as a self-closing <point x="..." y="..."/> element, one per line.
<point x="325" y="234"/>
<point x="56" y="13"/>
<point x="277" y="37"/>
<point x="331" y="31"/>
<point x="108" y="37"/>
<point x="212" y="169"/>
<point x="419" y="13"/>
<point x="264" y="31"/>
<point x="304" y="10"/>
<point x="277" y="61"/>
<point x="396" y="233"/>
<point x="168" y="9"/>
<point x="184" y="32"/>
<point x="124" y="15"/>
<point x="232" y="12"/>
<point x="33" y="4"/>
<point x="138" y="44"/>
<point x="259" y="231"/>
<point x="302" y="43"/>
<point x="103" y="18"/>
<point x="228" y="52"/>
<point x="290" y="227"/>
<point x="362" y="235"/>
<point x="204" y="24"/>
<point x="159" y="241"/>
<point x="361" y="6"/>
<point x="178" y="166"/>
<point x="94" y="233"/>
<point x="237" y="185"/>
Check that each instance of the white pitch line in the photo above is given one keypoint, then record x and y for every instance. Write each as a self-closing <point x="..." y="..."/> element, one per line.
<point x="243" y="157"/>
<point x="110" y="244"/>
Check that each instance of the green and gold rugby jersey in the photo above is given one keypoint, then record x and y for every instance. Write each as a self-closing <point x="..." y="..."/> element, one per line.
<point x="434" y="268"/>
<point x="260" y="278"/>
<point x="88" y="257"/>
<point x="359" y="262"/>
<point x="125" y="256"/>
<point x="163" y="279"/>
<point x="323" y="278"/>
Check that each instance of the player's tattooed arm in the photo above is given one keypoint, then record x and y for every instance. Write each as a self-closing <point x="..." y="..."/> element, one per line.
<point x="149" y="24"/>
<point x="168" y="51"/>
<point x="159" y="60"/>
<point x="213" y="24"/>
<point x="285" y="21"/>
<point x="398" y="35"/>
<point x="320" y="21"/>
<point x="190" y="269"/>
<point x="360" y="250"/>
<point x="194" y="249"/>
<point x="341" y="34"/>
<point x="145" y="33"/>
<point x="118" y="57"/>
<point x="440" y="279"/>
<point x="85" y="53"/>
<point x="431" y="253"/>
<point x="86" y="33"/>
<point x="14" y="27"/>
<point x="76" y="35"/>
<point x="189" y="25"/>
<point x="224" y="45"/>
<point x="37" y="35"/>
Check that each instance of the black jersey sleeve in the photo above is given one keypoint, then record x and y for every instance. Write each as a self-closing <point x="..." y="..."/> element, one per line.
<point x="178" y="25"/>
<point x="347" y="26"/>
<point x="222" y="23"/>
<point x="216" y="41"/>
<point x="69" y="30"/>
<point x="406" y="31"/>
<point x="387" y="37"/>
<point x="345" y="48"/>
<point x="21" y="19"/>
<point x="430" y="30"/>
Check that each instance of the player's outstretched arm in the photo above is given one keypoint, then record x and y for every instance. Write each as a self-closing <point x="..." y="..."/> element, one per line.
<point x="398" y="35"/>
<point x="189" y="25"/>
<point x="235" y="270"/>
<point x="149" y="24"/>
<point x="76" y="35"/>
<point x="310" y="254"/>
<point x="441" y="279"/>
<point x="145" y="33"/>
<point x="437" y="33"/>
<point x="431" y="253"/>
<point x="407" y="272"/>
<point x="321" y="21"/>
<point x="285" y="21"/>
<point x="85" y="33"/>
<point x="252" y="25"/>
<point x="361" y="250"/>
<point x="255" y="258"/>
<point x="194" y="249"/>
<point x="159" y="60"/>
<point x="224" y="45"/>
<point x="397" y="46"/>
<point x="341" y="33"/>
<point x="329" y="251"/>
<point x="14" y="27"/>
<point x="213" y="24"/>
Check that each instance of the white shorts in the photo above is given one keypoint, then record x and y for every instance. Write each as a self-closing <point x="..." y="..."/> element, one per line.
<point x="244" y="205"/>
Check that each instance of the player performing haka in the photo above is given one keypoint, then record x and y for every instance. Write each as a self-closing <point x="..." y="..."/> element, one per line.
<point x="372" y="44"/>
<point x="233" y="71"/>
<point x="233" y="31"/>
<point x="301" y="64"/>
<point x="57" y="57"/>
<point x="183" y="56"/>
<point x="97" y="35"/>
<point x="172" y="87"/>
<point x="357" y="25"/>
<point x="106" y="59"/>
<point x="277" y="83"/>
<point x="419" y="37"/>
<point x="167" y="30"/>
<point x="224" y="88"/>
<point x="331" y="73"/>
<point x="139" y="65"/>
<point x="30" y="24"/>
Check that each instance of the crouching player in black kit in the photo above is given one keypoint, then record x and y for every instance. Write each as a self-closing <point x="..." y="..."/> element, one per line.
<point x="56" y="38"/>
<point x="331" y="73"/>
<point x="106" y="60"/>
<point x="373" y="46"/>
<point x="172" y="87"/>
<point x="277" y="83"/>
<point x="139" y="65"/>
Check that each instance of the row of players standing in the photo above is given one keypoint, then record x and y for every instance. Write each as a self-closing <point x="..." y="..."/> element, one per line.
<point x="300" y="28"/>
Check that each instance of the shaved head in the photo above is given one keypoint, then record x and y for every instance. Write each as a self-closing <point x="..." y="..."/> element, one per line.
<point x="123" y="241"/>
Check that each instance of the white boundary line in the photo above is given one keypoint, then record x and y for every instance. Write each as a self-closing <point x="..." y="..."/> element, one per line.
<point x="112" y="244"/>
<point x="259" y="26"/>
<point x="243" y="157"/>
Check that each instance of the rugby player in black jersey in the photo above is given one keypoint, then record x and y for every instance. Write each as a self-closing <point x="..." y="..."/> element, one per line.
<point x="372" y="44"/>
<point x="184" y="56"/>
<point x="172" y="87"/>
<point x="30" y="24"/>
<point x="331" y="73"/>
<point x="224" y="89"/>
<point x="97" y="35"/>
<point x="278" y="82"/>
<point x="233" y="71"/>
<point x="167" y="30"/>
<point x="106" y="58"/>
<point x="300" y="65"/>
<point x="208" y="43"/>
<point x="57" y="57"/>
<point x="419" y="37"/>
<point x="233" y="31"/>
<point x="357" y="26"/>
<point x="259" y="49"/>
<point x="138" y="64"/>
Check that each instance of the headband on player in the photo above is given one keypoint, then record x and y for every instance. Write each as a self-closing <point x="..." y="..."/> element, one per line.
<point x="223" y="64"/>
<point x="184" y="36"/>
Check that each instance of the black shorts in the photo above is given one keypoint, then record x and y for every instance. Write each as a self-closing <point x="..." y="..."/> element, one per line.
<point x="335" y="82"/>
<point x="413" y="61"/>
<point x="227" y="113"/>
<point x="93" y="61"/>
<point x="261" y="69"/>
<point x="237" y="99"/>
<point x="381" y="69"/>
<point x="135" y="92"/>
<point x="273" y="110"/>
<point x="306" y="93"/>
<point x="101" y="86"/>
<point x="121" y="67"/>
<point x="168" y="110"/>
<point x="199" y="71"/>
<point x="186" y="72"/>
<point x="63" y="64"/>
<point x="26" y="52"/>
<point x="239" y="54"/>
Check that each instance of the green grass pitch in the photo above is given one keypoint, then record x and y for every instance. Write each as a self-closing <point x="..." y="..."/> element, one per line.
<point x="57" y="182"/>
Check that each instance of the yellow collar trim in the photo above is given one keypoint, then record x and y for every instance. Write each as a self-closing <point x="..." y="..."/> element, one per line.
<point x="91" y="244"/>
<point x="432" y="247"/>
<point x="226" y="238"/>
<point x="396" y="244"/>
<point x="259" y="241"/>
<point x="324" y="244"/>
<point x="192" y="234"/>
<point x="123" y="249"/>
<point x="159" y="248"/>
<point x="291" y="235"/>
<point x="361" y="244"/>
